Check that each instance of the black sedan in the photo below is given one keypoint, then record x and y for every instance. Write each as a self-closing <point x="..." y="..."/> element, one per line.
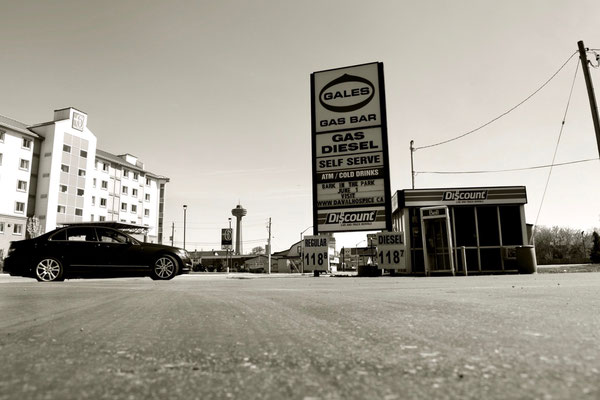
<point x="93" y="251"/>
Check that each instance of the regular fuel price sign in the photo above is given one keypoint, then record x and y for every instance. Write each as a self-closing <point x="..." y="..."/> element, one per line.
<point x="315" y="253"/>
<point x="350" y="155"/>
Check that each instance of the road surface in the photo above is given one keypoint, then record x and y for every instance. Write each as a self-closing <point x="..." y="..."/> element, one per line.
<point x="207" y="336"/>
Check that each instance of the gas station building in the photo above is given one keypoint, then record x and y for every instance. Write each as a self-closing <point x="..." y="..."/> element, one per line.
<point x="482" y="228"/>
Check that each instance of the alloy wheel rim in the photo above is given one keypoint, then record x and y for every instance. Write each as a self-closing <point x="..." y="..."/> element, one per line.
<point x="47" y="270"/>
<point x="164" y="267"/>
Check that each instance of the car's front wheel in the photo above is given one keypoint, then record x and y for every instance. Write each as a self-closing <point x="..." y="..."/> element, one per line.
<point x="165" y="267"/>
<point x="49" y="269"/>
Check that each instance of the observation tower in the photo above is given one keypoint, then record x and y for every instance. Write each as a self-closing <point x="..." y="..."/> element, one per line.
<point x="238" y="213"/>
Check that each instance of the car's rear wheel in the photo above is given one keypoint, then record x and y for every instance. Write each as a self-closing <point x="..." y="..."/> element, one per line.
<point x="49" y="269"/>
<point x="165" y="267"/>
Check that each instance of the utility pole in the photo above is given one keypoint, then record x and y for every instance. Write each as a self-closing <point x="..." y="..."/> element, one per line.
<point x="172" y="232"/>
<point x="269" y="245"/>
<point x="412" y="168"/>
<point x="590" y="89"/>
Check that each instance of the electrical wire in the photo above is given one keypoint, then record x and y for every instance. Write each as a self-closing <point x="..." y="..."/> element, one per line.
<point x="506" y="170"/>
<point x="504" y="113"/>
<point x="562" y="126"/>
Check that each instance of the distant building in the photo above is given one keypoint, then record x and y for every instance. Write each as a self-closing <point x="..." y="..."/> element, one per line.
<point x="55" y="171"/>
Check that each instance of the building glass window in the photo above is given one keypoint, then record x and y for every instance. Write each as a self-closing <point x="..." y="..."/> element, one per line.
<point x="21" y="186"/>
<point x="134" y="192"/>
<point x="147" y="197"/>
<point x="487" y="222"/>
<point x="125" y="190"/>
<point x="18" y="229"/>
<point x="1" y="227"/>
<point x="126" y="173"/>
<point x="80" y="192"/>
<point x="134" y="208"/>
<point x="105" y="167"/>
<point x="61" y="209"/>
<point x="147" y="181"/>
<point x="102" y="202"/>
<point x="104" y="185"/>
<point x="93" y="200"/>
<point x="81" y="172"/>
<point x="78" y="212"/>
<point x="146" y="212"/>
<point x="24" y="164"/>
<point x="135" y="176"/>
<point x="66" y="148"/>
<point x="83" y="153"/>
<point x="0" y="158"/>
<point x="1" y="136"/>
<point x="94" y="182"/>
<point x="19" y="207"/>
<point x="510" y="222"/>
<point x="63" y="188"/>
<point x="64" y="168"/>
<point x="123" y="206"/>
<point x="26" y="143"/>
<point x="101" y="218"/>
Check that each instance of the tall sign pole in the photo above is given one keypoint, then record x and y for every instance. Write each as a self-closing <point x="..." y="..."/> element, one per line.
<point x="351" y="177"/>
<point x="590" y="89"/>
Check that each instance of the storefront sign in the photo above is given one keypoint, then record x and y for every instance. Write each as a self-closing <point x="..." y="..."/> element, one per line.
<point x="350" y="156"/>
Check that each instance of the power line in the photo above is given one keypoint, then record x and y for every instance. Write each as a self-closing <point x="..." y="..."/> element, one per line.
<point x="506" y="170"/>
<point x="504" y="113"/>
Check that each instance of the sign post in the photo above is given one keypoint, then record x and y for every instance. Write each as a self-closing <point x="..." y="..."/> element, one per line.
<point x="351" y="179"/>
<point x="227" y="242"/>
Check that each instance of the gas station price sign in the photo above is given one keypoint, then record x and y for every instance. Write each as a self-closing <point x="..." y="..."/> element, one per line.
<point x="315" y="253"/>
<point x="390" y="250"/>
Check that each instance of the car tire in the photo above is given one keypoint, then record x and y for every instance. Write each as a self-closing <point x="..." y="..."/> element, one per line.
<point x="49" y="269"/>
<point x="164" y="268"/>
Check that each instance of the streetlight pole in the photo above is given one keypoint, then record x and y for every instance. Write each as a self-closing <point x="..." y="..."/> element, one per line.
<point x="184" y="222"/>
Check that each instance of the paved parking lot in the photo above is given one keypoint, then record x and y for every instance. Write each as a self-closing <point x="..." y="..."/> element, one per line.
<point x="253" y="337"/>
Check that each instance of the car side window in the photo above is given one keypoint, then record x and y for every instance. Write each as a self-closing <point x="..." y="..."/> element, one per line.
<point x="60" y="235"/>
<point x="110" y="236"/>
<point x="81" y="234"/>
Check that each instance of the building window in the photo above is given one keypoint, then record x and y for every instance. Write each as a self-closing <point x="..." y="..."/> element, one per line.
<point x="147" y="196"/>
<point x="64" y="168"/>
<point x="105" y="167"/>
<point x="147" y="181"/>
<point x="21" y="186"/>
<point x="48" y="154"/>
<point x="18" y="229"/>
<point x="63" y="188"/>
<point x="66" y="148"/>
<point x="61" y="209"/>
<point x="105" y="185"/>
<point x="125" y="189"/>
<point x="26" y="143"/>
<point x="93" y="200"/>
<point x="92" y="217"/>
<point x="79" y="212"/>
<point x="102" y="202"/>
<point x="24" y="165"/>
<point x="81" y="172"/>
<point x="123" y="206"/>
<point x="83" y="153"/>
<point x="94" y="182"/>
<point x="1" y="227"/>
<point x="101" y="218"/>
<point x="1" y="136"/>
<point x="146" y="212"/>
<point x="19" y="207"/>
<point x="125" y="173"/>
<point x="135" y="176"/>
<point x="134" y="208"/>
<point x="80" y="192"/>
<point x="134" y="192"/>
<point x="0" y="158"/>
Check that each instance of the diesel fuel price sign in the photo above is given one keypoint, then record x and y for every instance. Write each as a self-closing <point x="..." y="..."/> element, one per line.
<point x="390" y="250"/>
<point x="315" y="253"/>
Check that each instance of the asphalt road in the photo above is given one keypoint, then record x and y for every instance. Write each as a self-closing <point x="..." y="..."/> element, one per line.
<point x="218" y="337"/>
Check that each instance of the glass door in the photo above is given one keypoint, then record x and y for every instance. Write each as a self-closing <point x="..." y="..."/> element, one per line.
<point x="437" y="242"/>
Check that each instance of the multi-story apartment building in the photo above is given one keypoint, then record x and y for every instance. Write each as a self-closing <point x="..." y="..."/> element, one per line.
<point x="54" y="171"/>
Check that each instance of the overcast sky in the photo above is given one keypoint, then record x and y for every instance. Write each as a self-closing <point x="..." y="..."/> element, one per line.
<point x="215" y="95"/>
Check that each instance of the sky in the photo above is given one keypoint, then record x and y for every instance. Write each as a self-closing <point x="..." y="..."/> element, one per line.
<point x="215" y="95"/>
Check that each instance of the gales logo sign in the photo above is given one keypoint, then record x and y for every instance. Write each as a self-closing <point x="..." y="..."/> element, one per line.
<point x="347" y="93"/>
